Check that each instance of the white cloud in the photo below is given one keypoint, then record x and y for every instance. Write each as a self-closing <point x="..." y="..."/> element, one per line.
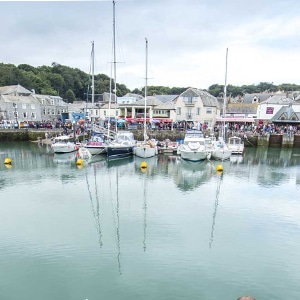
<point x="187" y="39"/>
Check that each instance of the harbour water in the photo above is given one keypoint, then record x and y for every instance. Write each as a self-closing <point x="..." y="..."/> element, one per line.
<point x="177" y="230"/>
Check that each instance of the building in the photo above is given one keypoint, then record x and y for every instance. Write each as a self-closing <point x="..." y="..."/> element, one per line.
<point x="197" y="106"/>
<point x="21" y="105"/>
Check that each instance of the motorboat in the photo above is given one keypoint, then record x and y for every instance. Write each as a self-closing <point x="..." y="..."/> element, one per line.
<point x="236" y="145"/>
<point x="194" y="146"/>
<point x="122" y="145"/>
<point x="64" y="144"/>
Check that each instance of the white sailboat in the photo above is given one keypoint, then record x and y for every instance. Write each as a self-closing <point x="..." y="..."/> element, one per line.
<point x="220" y="149"/>
<point x="146" y="148"/>
<point x="123" y="144"/>
<point x="96" y="143"/>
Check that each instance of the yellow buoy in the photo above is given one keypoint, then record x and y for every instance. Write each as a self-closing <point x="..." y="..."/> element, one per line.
<point x="7" y="161"/>
<point x="79" y="162"/>
<point x="219" y="168"/>
<point x="143" y="165"/>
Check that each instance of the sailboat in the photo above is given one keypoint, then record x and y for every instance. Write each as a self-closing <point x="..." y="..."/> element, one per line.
<point x="220" y="149"/>
<point x="146" y="148"/>
<point x="96" y="143"/>
<point x="123" y="143"/>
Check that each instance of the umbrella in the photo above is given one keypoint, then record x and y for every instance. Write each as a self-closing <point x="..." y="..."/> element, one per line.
<point x="121" y="121"/>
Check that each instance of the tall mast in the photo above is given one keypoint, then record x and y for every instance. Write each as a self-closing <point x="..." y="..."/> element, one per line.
<point x="146" y="85"/>
<point x="225" y="86"/>
<point x="115" y="61"/>
<point x="93" y="75"/>
<point x="225" y="97"/>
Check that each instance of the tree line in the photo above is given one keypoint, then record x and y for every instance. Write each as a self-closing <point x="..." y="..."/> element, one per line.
<point x="72" y="84"/>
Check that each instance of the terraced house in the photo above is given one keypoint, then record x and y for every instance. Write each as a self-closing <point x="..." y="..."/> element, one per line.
<point x="21" y="105"/>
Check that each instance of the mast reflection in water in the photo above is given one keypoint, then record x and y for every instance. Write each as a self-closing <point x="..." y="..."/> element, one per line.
<point x="174" y="230"/>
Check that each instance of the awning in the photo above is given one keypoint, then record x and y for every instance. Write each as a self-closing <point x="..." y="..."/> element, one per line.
<point x="235" y="119"/>
<point x="164" y="120"/>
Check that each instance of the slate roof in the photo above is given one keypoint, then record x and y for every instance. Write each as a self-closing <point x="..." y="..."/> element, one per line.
<point x="207" y="99"/>
<point x="286" y="115"/>
<point x="242" y="108"/>
<point x="248" y="98"/>
<point x="14" y="89"/>
<point x="278" y="99"/>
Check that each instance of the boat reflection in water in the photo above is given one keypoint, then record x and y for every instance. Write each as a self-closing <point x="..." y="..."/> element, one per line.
<point x="64" y="158"/>
<point x="193" y="174"/>
<point x="236" y="159"/>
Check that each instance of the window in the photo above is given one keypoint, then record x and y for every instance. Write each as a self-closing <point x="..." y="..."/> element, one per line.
<point x="16" y="114"/>
<point x="15" y="105"/>
<point x="104" y="113"/>
<point x="24" y="105"/>
<point x="44" y="111"/>
<point x="32" y="106"/>
<point x="198" y="111"/>
<point x="52" y="102"/>
<point x="53" y="111"/>
<point x="209" y="110"/>
<point x="178" y="111"/>
<point x="25" y="114"/>
<point x="33" y="115"/>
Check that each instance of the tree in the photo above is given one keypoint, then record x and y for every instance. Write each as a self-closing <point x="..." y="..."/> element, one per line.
<point x="70" y="96"/>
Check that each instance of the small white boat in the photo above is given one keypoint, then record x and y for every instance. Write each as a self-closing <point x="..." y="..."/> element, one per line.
<point x="220" y="150"/>
<point x="63" y="144"/>
<point x="96" y="144"/>
<point x="146" y="148"/>
<point x="236" y="145"/>
<point x="194" y="146"/>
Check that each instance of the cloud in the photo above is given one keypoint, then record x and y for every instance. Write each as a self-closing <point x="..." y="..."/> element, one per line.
<point x="187" y="39"/>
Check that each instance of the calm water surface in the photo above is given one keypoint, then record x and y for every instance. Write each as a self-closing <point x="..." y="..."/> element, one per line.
<point x="178" y="230"/>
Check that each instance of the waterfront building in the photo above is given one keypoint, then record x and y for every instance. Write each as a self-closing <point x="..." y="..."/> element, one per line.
<point x="197" y="106"/>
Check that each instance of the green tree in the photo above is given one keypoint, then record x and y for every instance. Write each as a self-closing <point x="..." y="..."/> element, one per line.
<point x="70" y="96"/>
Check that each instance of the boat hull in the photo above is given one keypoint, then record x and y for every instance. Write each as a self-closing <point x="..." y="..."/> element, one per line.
<point x="117" y="151"/>
<point x="94" y="150"/>
<point x="64" y="148"/>
<point x="194" y="155"/>
<point x="145" y="151"/>
<point x="220" y="154"/>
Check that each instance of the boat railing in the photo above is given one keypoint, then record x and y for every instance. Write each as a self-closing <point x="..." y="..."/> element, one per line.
<point x="103" y="130"/>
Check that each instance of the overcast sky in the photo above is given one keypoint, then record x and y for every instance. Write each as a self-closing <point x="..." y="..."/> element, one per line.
<point x="187" y="39"/>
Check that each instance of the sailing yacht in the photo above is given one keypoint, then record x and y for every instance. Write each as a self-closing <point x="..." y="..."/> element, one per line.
<point x="123" y="144"/>
<point x="146" y="148"/>
<point x="220" y="149"/>
<point x="96" y="143"/>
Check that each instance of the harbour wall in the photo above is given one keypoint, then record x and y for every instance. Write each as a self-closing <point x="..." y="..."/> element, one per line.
<point x="252" y="140"/>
